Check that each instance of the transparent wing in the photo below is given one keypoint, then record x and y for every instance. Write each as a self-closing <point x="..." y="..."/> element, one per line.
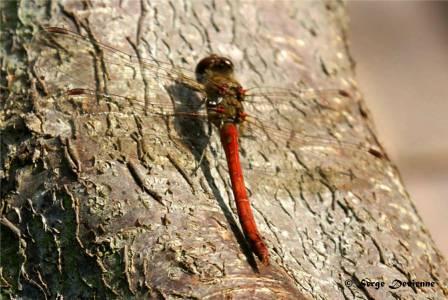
<point x="65" y="60"/>
<point x="321" y="167"/>
<point x="303" y="122"/>
<point x="311" y="142"/>
<point x="324" y="97"/>
<point x="296" y="165"/>
<point x="304" y="132"/>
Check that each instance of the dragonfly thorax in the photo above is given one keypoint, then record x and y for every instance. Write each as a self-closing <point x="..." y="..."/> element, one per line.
<point x="224" y="94"/>
<point x="225" y="109"/>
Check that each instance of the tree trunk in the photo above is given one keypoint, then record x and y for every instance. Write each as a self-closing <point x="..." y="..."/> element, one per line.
<point x="89" y="211"/>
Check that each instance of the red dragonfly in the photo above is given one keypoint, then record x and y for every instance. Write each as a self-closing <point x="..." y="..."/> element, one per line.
<point x="225" y="103"/>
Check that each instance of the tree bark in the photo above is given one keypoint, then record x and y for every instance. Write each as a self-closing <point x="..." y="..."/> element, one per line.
<point x="88" y="211"/>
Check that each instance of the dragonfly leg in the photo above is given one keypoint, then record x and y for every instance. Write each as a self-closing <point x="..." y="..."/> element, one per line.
<point x="209" y="136"/>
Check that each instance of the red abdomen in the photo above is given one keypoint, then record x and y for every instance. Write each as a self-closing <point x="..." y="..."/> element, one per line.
<point x="229" y="140"/>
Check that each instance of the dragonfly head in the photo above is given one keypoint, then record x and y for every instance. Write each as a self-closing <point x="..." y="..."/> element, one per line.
<point x="213" y="64"/>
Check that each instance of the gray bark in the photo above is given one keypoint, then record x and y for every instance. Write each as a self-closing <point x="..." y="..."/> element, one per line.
<point x="89" y="211"/>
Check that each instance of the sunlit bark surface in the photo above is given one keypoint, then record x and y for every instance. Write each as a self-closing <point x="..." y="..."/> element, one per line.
<point x="107" y="205"/>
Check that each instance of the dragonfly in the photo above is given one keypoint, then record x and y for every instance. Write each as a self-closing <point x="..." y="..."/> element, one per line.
<point x="72" y="69"/>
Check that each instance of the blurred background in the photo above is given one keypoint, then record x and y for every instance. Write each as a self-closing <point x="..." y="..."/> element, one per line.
<point x="401" y="50"/>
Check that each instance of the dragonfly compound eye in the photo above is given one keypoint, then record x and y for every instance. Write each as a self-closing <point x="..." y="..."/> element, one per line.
<point x="222" y="65"/>
<point x="205" y="65"/>
<point x="213" y="63"/>
<point x="226" y="64"/>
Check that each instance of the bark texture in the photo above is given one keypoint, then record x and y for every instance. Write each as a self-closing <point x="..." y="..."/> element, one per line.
<point x="88" y="210"/>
